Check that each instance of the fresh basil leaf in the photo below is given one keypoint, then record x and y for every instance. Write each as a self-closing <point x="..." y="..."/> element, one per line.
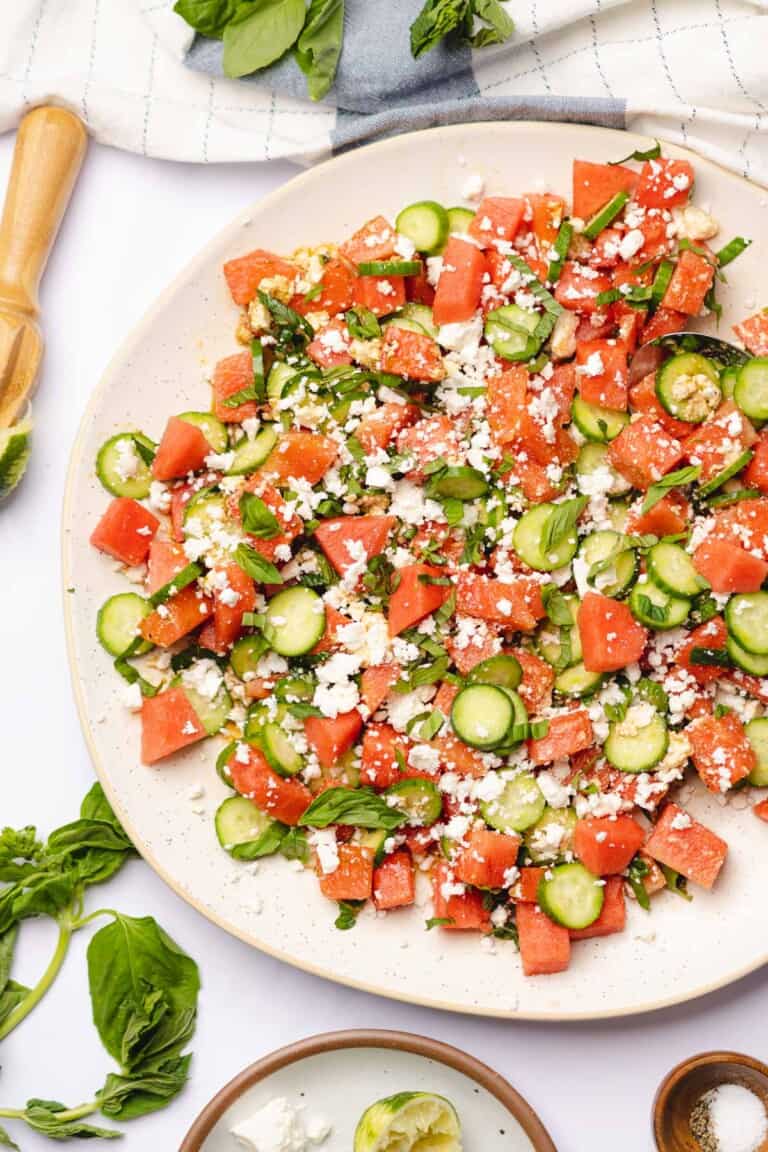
<point x="7" y="946"/>
<point x="20" y="852"/>
<point x="710" y="657"/>
<point x="358" y="807"/>
<point x="650" y="154"/>
<point x="561" y="522"/>
<point x="437" y="922"/>
<point x="144" y="991"/>
<point x="93" y="849"/>
<point x="126" y="1097"/>
<point x="12" y="995"/>
<point x="348" y="912"/>
<point x="43" y="893"/>
<point x="422" y="675"/>
<point x="318" y="48"/>
<point x="208" y="17"/>
<point x="653" y="693"/>
<point x="267" y="844"/>
<point x="362" y="324"/>
<point x="654" y="612"/>
<point x="559" y="251"/>
<point x="435" y="20"/>
<point x="260" y="35"/>
<point x="500" y="25"/>
<point x="676" y="479"/>
<point x="57" y="1122"/>
<point x="295" y="845"/>
<point x="255" y="566"/>
<point x="258" y="520"/>
<point x="731" y="250"/>
<point x="556" y="606"/>
<point x="95" y="806"/>
<point x="637" y="871"/>
<point x="676" y="882"/>
<point x="6" y="1142"/>
<point x="293" y="328"/>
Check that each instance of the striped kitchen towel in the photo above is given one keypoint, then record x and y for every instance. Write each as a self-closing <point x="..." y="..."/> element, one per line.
<point x="691" y="71"/>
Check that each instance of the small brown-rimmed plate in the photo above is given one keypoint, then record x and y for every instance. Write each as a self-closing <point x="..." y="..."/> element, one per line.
<point x="681" y="1090"/>
<point x="338" y="1074"/>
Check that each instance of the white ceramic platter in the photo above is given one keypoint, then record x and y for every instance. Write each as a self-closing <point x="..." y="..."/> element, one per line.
<point x="339" y="1075"/>
<point x="678" y="952"/>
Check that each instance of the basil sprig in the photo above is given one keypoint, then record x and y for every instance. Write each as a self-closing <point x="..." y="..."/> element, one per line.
<point x="650" y="154"/>
<point x="439" y="18"/>
<point x="659" y="490"/>
<point x="359" y="807"/>
<point x="258" y="520"/>
<point x="143" y="987"/>
<point x="561" y="522"/>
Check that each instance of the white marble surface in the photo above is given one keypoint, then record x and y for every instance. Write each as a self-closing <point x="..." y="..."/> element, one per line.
<point x="132" y="224"/>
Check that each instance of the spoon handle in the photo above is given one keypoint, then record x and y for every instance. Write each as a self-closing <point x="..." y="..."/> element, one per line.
<point x="50" y="147"/>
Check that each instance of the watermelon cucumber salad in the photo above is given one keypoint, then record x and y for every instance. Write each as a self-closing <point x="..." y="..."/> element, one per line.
<point x="463" y="597"/>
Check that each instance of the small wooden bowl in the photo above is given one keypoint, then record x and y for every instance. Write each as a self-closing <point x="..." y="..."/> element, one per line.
<point x="682" y="1089"/>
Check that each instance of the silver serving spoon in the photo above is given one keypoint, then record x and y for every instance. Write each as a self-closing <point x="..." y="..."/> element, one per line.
<point x="655" y="352"/>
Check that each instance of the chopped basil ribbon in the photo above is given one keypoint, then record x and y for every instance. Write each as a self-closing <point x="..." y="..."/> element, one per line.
<point x="348" y="912"/>
<point x="660" y="283"/>
<point x="362" y="324"/>
<point x="658" y="490"/>
<point x="146" y="453"/>
<point x="438" y="922"/>
<point x="359" y="807"/>
<point x="651" y="154"/>
<point x="731" y="250"/>
<point x="390" y="268"/>
<point x="636" y="873"/>
<point x="560" y="251"/>
<point x="257" y="390"/>
<point x="710" y="657"/>
<point x="533" y="285"/>
<point x="653" y="611"/>
<point x="181" y="580"/>
<point x="606" y="215"/>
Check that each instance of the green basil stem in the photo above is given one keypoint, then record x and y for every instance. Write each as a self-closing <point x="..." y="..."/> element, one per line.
<point x="68" y="924"/>
<point x="70" y="1113"/>
<point x="22" y="1010"/>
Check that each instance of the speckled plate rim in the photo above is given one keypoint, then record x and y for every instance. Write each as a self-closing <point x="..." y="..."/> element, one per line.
<point x="624" y="141"/>
<point x="455" y="1058"/>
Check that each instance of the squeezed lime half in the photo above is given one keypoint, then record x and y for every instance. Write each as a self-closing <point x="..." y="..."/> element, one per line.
<point x="409" y="1122"/>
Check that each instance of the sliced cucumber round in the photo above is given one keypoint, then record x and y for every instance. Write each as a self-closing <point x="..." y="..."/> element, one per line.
<point x="122" y="469"/>
<point x="420" y="799"/>
<point x="425" y="224"/>
<point x="530" y="537"/>
<point x="655" y="608"/>
<point x="519" y="805"/>
<point x="751" y="389"/>
<point x="212" y="714"/>
<point x="295" y="621"/>
<point x="747" y="661"/>
<point x="746" y="615"/>
<point x="209" y="508"/>
<point x="246" y="654"/>
<point x="251" y="454"/>
<point x="117" y="624"/>
<point x="599" y="424"/>
<point x="571" y="896"/>
<point x="688" y="387"/>
<point x="737" y="465"/>
<point x="459" y="220"/>
<point x="510" y="332"/>
<point x="458" y="482"/>
<point x="214" y="431"/>
<point x="503" y="670"/>
<point x="613" y="564"/>
<point x="551" y="837"/>
<point x="482" y="715"/>
<point x="639" y="741"/>
<point x="728" y="378"/>
<point x="240" y="824"/>
<point x="419" y="314"/>
<point x="757" y="734"/>
<point x="672" y="569"/>
<point x="593" y="457"/>
<point x="279" y="751"/>
<point x="577" y="681"/>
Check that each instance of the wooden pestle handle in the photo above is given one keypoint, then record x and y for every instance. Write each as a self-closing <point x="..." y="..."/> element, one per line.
<point x="50" y="146"/>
